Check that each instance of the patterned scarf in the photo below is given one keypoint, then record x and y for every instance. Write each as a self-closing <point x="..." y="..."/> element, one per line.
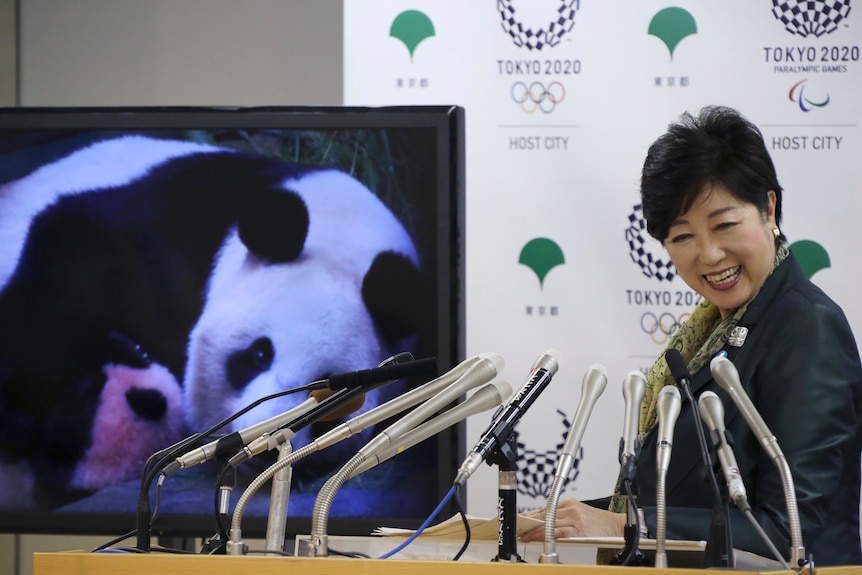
<point x="697" y="340"/>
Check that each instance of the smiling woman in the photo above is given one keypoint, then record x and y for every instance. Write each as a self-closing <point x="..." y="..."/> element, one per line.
<point x="723" y="247"/>
<point x="711" y="196"/>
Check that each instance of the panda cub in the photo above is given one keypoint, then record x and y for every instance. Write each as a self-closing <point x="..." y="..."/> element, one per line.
<point x="237" y="275"/>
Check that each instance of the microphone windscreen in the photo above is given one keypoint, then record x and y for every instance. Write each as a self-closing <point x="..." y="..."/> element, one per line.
<point x="676" y="364"/>
<point x="346" y="409"/>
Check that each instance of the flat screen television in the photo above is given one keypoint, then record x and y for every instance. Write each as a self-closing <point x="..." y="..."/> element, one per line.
<point x="160" y="268"/>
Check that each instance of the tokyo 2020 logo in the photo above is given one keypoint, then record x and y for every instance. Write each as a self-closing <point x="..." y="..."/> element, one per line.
<point x="559" y="23"/>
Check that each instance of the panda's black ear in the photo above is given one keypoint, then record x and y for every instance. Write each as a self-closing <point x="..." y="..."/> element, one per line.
<point x="273" y="224"/>
<point x="396" y="295"/>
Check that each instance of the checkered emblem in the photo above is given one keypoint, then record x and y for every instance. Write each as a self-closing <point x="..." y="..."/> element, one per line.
<point x="561" y="23"/>
<point x="810" y="17"/>
<point x="652" y="265"/>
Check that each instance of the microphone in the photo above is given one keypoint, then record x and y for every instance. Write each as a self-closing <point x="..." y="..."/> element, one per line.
<point x="488" y="396"/>
<point x="480" y="371"/>
<point x="592" y="386"/>
<point x="668" y="405"/>
<point x="234" y="441"/>
<point x="634" y="387"/>
<point x="719" y="547"/>
<point x="348" y="408"/>
<point x="370" y="417"/>
<point x="726" y="375"/>
<point x="678" y="369"/>
<point x="304" y="414"/>
<point x="370" y="377"/>
<point x="501" y="427"/>
<point x="712" y="412"/>
<point x="346" y="396"/>
<point x="486" y="368"/>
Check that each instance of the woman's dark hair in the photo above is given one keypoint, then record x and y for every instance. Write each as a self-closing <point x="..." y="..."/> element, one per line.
<point x="716" y="147"/>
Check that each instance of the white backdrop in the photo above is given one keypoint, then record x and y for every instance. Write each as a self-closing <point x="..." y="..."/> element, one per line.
<point x="610" y="77"/>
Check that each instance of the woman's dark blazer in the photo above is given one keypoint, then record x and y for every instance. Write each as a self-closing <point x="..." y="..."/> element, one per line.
<point x="800" y="366"/>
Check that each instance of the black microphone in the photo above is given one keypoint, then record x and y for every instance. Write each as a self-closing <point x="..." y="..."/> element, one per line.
<point x="719" y="547"/>
<point x="348" y="394"/>
<point x="369" y="377"/>
<point x="678" y="369"/>
<point x="504" y="422"/>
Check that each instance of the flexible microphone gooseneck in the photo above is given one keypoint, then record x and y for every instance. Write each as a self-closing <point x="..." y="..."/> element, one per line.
<point x="712" y="411"/>
<point x="592" y="386"/>
<point x="480" y="371"/>
<point x="719" y="543"/>
<point x="634" y="388"/>
<point x="668" y="406"/>
<point x="727" y="376"/>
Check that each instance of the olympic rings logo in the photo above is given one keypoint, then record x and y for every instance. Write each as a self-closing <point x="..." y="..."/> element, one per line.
<point x="661" y="327"/>
<point x="538" y="97"/>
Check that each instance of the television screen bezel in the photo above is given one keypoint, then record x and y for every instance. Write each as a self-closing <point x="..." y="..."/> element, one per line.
<point x="447" y="121"/>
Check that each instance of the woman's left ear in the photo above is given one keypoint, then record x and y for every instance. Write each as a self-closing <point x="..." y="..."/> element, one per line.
<point x="770" y="208"/>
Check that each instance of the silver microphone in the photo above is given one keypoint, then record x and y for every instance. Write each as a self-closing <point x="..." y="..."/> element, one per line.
<point x="372" y="416"/>
<point x="712" y="413"/>
<point x="725" y="373"/>
<point x="467" y="375"/>
<point x="488" y="396"/>
<point x="592" y="386"/>
<point x="634" y="387"/>
<point x="486" y="368"/>
<point x="668" y="405"/>
<point x="208" y="451"/>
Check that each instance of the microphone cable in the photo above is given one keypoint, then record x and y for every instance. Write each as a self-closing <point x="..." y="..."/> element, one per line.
<point x="158" y="460"/>
<point x="750" y="516"/>
<point x="635" y="547"/>
<point x="461" y="510"/>
<point x="422" y="527"/>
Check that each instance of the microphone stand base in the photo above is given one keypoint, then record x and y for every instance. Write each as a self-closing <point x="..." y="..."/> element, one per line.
<point x="631" y="555"/>
<point x="513" y="558"/>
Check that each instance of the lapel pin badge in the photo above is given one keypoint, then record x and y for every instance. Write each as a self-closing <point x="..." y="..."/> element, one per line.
<point x="737" y="336"/>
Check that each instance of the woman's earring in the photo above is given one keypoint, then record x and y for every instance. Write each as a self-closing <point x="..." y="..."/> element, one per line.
<point x="776" y="232"/>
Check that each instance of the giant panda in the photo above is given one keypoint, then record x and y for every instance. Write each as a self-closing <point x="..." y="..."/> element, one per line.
<point x="239" y="275"/>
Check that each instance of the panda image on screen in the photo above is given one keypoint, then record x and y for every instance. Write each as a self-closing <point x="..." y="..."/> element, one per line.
<point x="167" y="284"/>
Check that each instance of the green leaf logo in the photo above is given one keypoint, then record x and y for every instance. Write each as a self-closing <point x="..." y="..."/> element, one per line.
<point x="411" y="27"/>
<point x="811" y="255"/>
<point x="671" y="25"/>
<point x="541" y="255"/>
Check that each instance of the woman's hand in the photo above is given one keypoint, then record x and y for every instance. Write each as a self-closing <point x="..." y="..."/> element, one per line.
<point x="576" y="519"/>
